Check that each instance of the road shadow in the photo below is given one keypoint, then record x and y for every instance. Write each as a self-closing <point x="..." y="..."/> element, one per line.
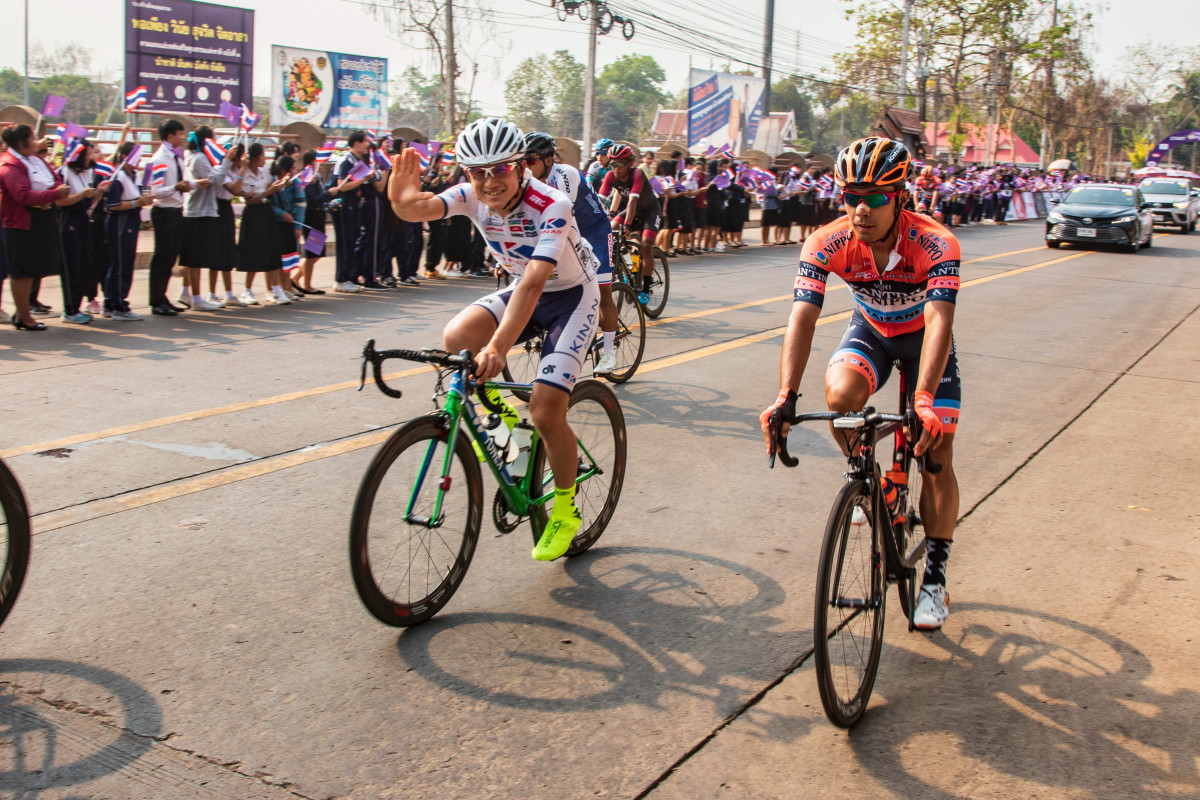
<point x="686" y="622"/>
<point x="1031" y="702"/>
<point x="33" y="744"/>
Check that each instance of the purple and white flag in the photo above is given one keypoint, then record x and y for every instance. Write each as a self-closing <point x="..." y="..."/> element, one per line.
<point x="315" y="242"/>
<point x="53" y="106"/>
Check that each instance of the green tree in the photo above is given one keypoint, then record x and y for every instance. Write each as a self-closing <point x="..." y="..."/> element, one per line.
<point x="789" y="95"/>
<point x="527" y="93"/>
<point x="566" y="86"/>
<point x="415" y="101"/>
<point x="628" y="93"/>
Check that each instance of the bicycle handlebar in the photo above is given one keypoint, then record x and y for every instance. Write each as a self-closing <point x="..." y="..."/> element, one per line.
<point x="438" y="358"/>
<point x="870" y="420"/>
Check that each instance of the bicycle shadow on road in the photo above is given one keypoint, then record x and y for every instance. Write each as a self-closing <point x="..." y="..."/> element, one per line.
<point x="1031" y="702"/>
<point x="687" y="624"/>
<point x="39" y="754"/>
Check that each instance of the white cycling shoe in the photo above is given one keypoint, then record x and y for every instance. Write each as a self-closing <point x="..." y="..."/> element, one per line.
<point x="932" y="607"/>
<point x="606" y="364"/>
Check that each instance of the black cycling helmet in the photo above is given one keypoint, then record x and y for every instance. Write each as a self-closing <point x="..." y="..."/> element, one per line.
<point x="874" y="161"/>
<point x="539" y="145"/>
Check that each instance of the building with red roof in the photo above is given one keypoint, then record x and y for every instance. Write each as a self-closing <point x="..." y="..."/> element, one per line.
<point x="1008" y="147"/>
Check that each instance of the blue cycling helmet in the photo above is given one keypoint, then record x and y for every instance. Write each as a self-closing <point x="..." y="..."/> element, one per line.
<point x="603" y="146"/>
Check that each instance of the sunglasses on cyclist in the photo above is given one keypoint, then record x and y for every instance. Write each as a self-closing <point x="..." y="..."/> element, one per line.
<point x="872" y="200"/>
<point x="498" y="170"/>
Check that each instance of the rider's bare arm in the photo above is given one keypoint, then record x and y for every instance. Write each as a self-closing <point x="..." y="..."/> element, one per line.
<point x="404" y="191"/>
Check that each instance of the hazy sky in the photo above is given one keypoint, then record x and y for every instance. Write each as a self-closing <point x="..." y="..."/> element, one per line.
<point x="529" y="26"/>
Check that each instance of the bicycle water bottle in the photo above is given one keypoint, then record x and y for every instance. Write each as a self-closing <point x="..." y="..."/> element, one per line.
<point x="518" y="452"/>
<point x="894" y="485"/>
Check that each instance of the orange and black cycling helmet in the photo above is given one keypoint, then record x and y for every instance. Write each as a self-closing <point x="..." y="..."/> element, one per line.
<point x="874" y="161"/>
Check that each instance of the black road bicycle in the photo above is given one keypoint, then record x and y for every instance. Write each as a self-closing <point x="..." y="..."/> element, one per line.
<point x="627" y="259"/>
<point x="14" y="540"/>
<point x="859" y="558"/>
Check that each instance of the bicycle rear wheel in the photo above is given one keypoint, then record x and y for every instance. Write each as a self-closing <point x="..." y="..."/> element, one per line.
<point x="522" y="366"/>
<point x="848" y="613"/>
<point x="595" y="416"/>
<point x="14" y="540"/>
<point x="405" y="570"/>
<point x="630" y="341"/>
<point x="660" y="286"/>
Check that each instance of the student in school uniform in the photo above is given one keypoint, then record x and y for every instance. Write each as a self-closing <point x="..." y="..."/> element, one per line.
<point x="257" y="243"/>
<point x="316" y="197"/>
<point x="227" y="257"/>
<point x="123" y="204"/>
<point x="287" y="205"/>
<point x="167" y="214"/>
<point x="74" y="228"/>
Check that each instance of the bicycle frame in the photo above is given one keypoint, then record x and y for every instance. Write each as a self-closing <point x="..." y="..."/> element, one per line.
<point x="457" y="411"/>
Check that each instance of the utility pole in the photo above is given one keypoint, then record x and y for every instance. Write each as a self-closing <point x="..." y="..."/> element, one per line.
<point x="26" y="101"/>
<point x="937" y="96"/>
<point x="990" y="87"/>
<point x="922" y="73"/>
<point x="1049" y="94"/>
<point x="903" y="88"/>
<point x="768" y="35"/>
<point x="451" y="66"/>
<point x="589" y="86"/>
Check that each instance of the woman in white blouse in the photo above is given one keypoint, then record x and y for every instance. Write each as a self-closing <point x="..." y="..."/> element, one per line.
<point x="74" y="227"/>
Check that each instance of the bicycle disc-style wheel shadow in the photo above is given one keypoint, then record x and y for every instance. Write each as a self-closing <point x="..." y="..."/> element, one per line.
<point x="14" y="540"/>
<point x="595" y="416"/>
<point x="848" y="612"/>
<point x="407" y="556"/>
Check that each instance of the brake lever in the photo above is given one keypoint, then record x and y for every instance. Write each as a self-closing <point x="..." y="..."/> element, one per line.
<point x="775" y="426"/>
<point x="368" y="351"/>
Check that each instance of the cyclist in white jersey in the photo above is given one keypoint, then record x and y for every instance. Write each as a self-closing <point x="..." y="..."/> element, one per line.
<point x="530" y="229"/>
<point x="594" y="227"/>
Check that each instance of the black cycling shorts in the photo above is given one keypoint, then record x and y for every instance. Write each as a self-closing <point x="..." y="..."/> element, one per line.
<point x="870" y="354"/>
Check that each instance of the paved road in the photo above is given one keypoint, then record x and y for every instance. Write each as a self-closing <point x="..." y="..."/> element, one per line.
<point x="188" y="628"/>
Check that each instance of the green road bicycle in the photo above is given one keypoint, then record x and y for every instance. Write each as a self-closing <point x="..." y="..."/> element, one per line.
<point x="14" y="540"/>
<point x="419" y="507"/>
<point x="859" y="559"/>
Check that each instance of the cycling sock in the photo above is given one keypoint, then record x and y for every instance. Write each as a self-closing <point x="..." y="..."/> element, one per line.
<point x="563" y="499"/>
<point x="937" y="552"/>
<point x="646" y="280"/>
<point x="609" y="337"/>
<point x="507" y="412"/>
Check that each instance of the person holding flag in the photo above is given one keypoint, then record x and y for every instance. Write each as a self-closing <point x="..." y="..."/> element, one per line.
<point x="74" y="227"/>
<point x="227" y="256"/>
<point x="201" y="246"/>
<point x="373" y="245"/>
<point x="258" y="249"/>
<point x="123" y="203"/>
<point x="350" y="174"/>
<point x="167" y="189"/>
<point x="287" y="204"/>
<point x="317" y="196"/>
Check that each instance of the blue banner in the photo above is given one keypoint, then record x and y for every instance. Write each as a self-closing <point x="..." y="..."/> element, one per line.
<point x="724" y="110"/>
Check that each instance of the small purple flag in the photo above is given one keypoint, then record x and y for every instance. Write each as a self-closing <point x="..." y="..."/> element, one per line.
<point x="305" y="177"/>
<point x="53" y="106"/>
<point x="135" y="156"/>
<point x="721" y="181"/>
<point x="315" y="242"/>
<point x="360" y="172"/>
<point x="230" y="112"/>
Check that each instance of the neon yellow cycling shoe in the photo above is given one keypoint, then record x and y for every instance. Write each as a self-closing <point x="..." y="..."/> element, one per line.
<point x="560" y="530"/>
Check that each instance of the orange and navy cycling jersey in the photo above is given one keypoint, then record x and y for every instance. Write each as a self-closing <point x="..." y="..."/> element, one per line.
<point x="923" y="266"/>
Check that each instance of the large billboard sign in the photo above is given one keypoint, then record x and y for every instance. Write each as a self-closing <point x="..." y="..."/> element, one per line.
<point x="190" y="56"/>
<point x="724" y="109"/>
<point x="331" y="90"/>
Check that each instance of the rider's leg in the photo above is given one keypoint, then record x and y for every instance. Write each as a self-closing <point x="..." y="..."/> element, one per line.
<point x="470" y="329"/>
<point x="939" y="492"/>
<point x="846" y="390"/>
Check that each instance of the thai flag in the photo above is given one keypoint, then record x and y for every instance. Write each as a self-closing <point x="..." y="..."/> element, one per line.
<point x="291" y="261"/>
<point x="74" y="151"/>
<point x="135" y="99"/>
<point x="826" y="183"/>
<point x="422" y="154"/>
<point x="372" y="134"/>
<point x="962" y="185"/>
<point x="104" y="169"/>
<point x="447" y="156"/>
<point x="381" y="161"/>
<point x="324" y="154"/>
<point x="249" y="119"/>
<point x="213" y="152"/>
<point x="727" y="151"/>
<point x="158" y="175"/>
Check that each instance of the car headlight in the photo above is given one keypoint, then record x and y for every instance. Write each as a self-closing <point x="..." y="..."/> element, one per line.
<point x="1054" y="216"/>
<point x="1126" y="218"/>
<point x="1182" y="204"/>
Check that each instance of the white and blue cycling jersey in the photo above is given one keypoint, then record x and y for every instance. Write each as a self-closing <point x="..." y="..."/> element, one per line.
<point x="593" y="222"/>
<point x="542" y="227"/>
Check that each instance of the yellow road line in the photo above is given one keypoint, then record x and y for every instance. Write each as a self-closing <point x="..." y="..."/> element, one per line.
<point x="191" y="416"/>
<point x="85" y="512"/>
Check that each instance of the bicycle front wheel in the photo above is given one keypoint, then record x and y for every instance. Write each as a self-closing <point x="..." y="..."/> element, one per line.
<point x="595" y="416"/>
<point x="14" y="540"/>
<point x="630" y="341"/>
<point x="522" y="366"/>
<point x="416" y="522"/>
<point x="848" y="614"/>
<point x="660" y="285"/>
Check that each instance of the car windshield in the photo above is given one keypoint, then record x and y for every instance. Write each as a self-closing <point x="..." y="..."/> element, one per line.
<point x="1101" y="196"/>
<point x="1162" y="187"/>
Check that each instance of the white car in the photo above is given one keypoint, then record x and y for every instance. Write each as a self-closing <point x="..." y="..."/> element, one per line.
<point x="1173" y="201"/>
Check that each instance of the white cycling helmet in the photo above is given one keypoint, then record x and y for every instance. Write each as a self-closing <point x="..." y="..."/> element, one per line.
<point x="489" y="140"/>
